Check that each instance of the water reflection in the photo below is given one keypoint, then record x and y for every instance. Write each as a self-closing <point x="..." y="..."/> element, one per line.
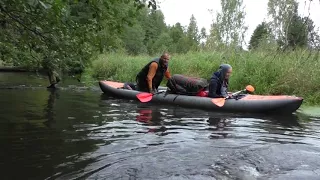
<point x="40" y="147"/>
<point x="49" y="112"/>
<point x="151" y="117"/>
<point x="145" y="115"/>
<point x="219" y="126"/>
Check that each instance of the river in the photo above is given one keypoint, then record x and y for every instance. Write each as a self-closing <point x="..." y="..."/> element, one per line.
<point x="78" y="133"/>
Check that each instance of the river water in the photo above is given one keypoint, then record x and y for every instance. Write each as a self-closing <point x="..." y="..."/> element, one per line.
<point x="78" y="133"/>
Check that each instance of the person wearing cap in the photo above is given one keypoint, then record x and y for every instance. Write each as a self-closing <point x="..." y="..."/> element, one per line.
<point x="151" y="75"/>
<point x="218" y="86"/>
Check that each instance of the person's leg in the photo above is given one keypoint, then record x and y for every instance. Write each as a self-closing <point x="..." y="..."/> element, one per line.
<point x="127" y="86"/>
<point x="142" y="87"/>
<point x="53" y="78"/>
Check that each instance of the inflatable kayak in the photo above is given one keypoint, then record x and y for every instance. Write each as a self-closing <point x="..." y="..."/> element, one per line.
<point x="246" y="104"/>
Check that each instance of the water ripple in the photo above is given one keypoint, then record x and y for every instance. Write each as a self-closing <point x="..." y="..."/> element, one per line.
<point x="77" y="135"/>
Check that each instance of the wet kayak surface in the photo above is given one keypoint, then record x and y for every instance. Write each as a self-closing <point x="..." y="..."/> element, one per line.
<point x="76" y="133"/>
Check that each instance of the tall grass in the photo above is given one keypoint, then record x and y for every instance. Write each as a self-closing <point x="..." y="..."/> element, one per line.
<point x="294" y="73"/>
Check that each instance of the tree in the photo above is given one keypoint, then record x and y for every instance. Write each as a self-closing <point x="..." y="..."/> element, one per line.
<point x="154" y="27"/>
<point x="229" y="26"/>
<point x="297" y="32"/>
<point x="203" y="33"/>
<point x="281" y="13"/>
<point x="182" y="45"/>
<point x="178" y="36"/>
<point x="203" y="37"/>
<point x="288" y="28"/>
<point x="313" y="34"/>
<point x="261" y="33"/>
<point x="193" y="34"/>
<point x="54" y="34"/>
<point x="133" y="39"/>
<point x="176" y="32"/>
<point x="163" y="43"/>
<point x="192" y="31"/>
<point x="214" y="39"/>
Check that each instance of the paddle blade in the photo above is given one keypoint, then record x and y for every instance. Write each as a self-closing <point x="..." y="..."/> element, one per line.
<point x="218" y="101"/>
<point x="250" y="89"/>
<point x="144" y="97"/>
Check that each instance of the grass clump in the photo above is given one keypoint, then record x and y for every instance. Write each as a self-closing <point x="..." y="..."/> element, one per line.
<point x="293" y="73"/>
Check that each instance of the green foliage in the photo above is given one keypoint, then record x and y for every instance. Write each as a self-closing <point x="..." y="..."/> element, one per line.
<point x="260" y="34"/>
<point x="54" y="33"/>
<point x="291" y="73"/>
<point x="193" y="34"/>
<point x="229" y="27"/>
<point x="203" y="34"/>
<point x="214" y="40"/>
<point x="154" y="26"/>
<point x="286" y="28"/>
<point x="163" y="43"/>
<point x="133" y="39"/>
<point x="157" y="36"/>
<point x="64" y="35"/>
<point x="297" y="32"/>
<point x="280" y="12"/>
<point x="179" y="38"/>
<point x="176" y="32"/>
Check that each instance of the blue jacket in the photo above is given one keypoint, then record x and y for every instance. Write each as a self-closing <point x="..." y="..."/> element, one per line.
<point x="218" y="88"/>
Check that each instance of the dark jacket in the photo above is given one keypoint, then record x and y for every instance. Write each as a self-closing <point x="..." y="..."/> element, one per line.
<point x="142" y="83"/>
<point x="218" y="88"/>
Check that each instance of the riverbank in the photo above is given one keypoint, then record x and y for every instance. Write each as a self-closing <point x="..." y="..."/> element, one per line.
<point x="13" y="69"/>
<point x="19" y="69"/>
<point x="291" y="73"/>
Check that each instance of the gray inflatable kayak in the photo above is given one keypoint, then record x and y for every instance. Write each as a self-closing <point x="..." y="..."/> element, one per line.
<point x="246" y="104"/>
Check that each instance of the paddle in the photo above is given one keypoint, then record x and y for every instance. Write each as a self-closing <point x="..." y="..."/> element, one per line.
<point x="221" y="101"/>
<point x="146" y="97"/>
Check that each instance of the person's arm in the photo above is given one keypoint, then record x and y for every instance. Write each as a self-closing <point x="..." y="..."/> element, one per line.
<point x="213" y="86"/>
<point x="224" y="91"/>
<point x="152" y="72"/>
<point x="167" y="74"/>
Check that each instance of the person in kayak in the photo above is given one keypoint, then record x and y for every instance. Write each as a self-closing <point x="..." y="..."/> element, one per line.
<point x="218" y="86"/>
<point x="150" y="77"/>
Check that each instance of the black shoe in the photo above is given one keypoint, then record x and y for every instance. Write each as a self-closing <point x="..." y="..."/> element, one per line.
<point x="53" y="86"/>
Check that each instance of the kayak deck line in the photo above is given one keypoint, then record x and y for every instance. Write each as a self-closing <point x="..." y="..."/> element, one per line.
<point x="247" y="104"/>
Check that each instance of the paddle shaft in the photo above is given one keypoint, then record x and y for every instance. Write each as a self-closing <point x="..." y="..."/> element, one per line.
<point x="221" y="101"/>
<point x="238" y="92"/>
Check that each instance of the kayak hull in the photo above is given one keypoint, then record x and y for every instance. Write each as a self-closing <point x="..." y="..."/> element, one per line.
<point x="247" y="104"/>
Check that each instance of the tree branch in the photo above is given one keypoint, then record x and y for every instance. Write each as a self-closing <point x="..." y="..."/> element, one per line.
<point x="22" y="24"/>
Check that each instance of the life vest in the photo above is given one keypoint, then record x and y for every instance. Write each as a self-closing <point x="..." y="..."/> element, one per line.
<point x="156" y="81"/>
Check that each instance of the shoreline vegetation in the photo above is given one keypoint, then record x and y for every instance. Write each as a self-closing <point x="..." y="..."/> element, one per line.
<point x="271" y="73"/>
<point x="287" y="73"/>
<point x="113" y="40"/>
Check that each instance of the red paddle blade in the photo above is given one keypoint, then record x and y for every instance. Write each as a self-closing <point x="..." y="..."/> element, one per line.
<point x="218" y="101"/>
<point x="144" y="97"/>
